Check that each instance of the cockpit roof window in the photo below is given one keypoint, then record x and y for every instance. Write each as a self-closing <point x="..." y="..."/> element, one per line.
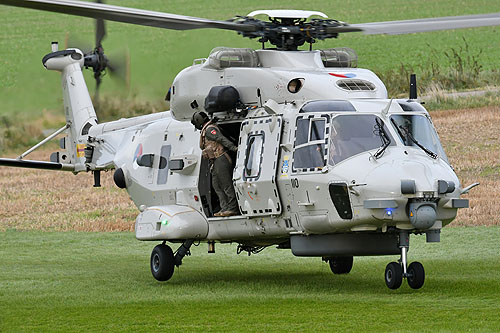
<point x="328" y="105"/>
<point x="411" y="106"/>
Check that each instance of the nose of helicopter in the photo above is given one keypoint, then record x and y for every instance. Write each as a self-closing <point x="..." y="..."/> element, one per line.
<point x="416" y="183"/>
<point x="410" y="176"/>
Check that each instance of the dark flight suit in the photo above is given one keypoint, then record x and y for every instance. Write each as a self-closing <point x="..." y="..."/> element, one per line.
<point x="215" y="147"/>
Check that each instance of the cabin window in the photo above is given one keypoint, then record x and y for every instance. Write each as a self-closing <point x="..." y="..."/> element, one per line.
<point x="310" y="143"/>
<point x="253" y="157"/>
<point x="163" y="173"/>
<point x="354" y="134"/>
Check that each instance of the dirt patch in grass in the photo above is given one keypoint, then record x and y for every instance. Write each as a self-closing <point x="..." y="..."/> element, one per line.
<point x="471" y="139"/>
<point x="48" y="200"/>
<point x="61" y="201"/>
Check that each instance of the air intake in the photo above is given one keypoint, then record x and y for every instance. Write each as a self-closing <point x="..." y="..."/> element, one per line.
<point x="356" y="85"/>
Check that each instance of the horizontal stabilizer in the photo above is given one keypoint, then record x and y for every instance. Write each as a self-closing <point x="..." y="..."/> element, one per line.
<point x="10" y="162"/>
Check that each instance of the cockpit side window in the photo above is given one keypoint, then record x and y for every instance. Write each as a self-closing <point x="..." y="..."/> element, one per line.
<point x="354" y="134"/>
<point x="411" y="128"/>
<point x="311" y="148"/>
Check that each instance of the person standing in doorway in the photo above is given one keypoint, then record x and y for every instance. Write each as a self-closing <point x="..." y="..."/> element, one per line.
<point x="214" y="146"/>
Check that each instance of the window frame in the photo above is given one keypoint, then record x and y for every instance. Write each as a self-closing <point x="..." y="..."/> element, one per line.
<point x="248" y="154"/>
<point x="324" y="141"/>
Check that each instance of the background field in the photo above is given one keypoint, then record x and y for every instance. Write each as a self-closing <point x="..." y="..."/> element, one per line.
<point x="158" y="54"/>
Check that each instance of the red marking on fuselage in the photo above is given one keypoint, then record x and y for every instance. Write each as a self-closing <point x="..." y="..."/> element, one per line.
<point x="338" y="75"/>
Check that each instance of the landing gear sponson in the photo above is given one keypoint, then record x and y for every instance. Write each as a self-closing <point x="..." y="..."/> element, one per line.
<point x="164" y="260"/>
<point x="394" y="271"/>
<point x="338" y="250"/>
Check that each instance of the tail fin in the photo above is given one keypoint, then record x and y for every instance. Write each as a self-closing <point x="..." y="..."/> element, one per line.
<point x="78" y="108"/>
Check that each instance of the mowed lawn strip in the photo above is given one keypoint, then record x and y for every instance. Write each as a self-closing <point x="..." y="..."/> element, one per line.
<point x="62" y="281"/>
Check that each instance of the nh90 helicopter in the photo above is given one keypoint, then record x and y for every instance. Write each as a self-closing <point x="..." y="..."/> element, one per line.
<point x="327" y="165"/>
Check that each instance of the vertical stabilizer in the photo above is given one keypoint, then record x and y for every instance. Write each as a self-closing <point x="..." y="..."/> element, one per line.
<point x="78" y="108"/>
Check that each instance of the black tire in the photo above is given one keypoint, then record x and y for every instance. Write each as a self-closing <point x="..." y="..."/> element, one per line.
<point x="340" y="265"/>
<point x="416" y="275"/>
<point x="162" y="262"/>
<point x="393" y="275"/>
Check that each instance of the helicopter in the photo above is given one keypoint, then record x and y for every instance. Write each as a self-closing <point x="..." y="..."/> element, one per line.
<point x="327" y="165"/>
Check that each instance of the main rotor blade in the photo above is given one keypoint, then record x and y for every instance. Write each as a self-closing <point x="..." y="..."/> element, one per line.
<point x="128" y="15"/>
<point x="423" y="25"/>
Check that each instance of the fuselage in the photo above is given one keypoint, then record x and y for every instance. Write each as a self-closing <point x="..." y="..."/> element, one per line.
<point x="329" y="194"/>
<point x="334" y="157"/>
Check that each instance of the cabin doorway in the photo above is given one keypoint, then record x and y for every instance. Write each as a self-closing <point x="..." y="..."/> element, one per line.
<point x="210" y="201"/>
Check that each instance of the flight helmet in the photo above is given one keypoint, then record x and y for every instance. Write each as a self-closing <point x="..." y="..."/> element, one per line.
<point x="199" y="119"/>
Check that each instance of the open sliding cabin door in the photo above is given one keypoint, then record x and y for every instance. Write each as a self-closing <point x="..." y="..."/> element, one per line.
<point x="255" y="172"/>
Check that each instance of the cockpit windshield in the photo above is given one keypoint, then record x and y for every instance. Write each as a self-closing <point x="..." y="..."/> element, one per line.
<point x="354" y="134"/>
<point x="415" y="130"/>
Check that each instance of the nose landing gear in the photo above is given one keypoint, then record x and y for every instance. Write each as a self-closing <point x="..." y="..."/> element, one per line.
<point x="396" y="271"/>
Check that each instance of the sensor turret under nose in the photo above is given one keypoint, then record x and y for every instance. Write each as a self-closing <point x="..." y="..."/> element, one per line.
<point x="422" y="214"/>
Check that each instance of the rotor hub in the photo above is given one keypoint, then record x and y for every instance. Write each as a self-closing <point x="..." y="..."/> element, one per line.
<point x="288" y="34"/>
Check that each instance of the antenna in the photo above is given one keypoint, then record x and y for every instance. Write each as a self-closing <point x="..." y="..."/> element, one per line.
<point x="259" y="96"/>
<point x="413" y="86"/>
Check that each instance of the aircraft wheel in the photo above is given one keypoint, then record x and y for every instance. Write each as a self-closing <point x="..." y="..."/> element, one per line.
<point x="416" y="275"/>
<point x="340" y="265"/>
<point x="393" y="275"/>
<point x="162" y="262"/>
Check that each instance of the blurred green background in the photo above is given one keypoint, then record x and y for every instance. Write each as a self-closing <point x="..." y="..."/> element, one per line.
<point x="157" y="55"/>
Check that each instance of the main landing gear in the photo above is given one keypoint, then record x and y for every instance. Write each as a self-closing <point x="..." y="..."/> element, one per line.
<point x="163" y="259"/>
<point x="340" y="265"/>
<point x="396" y="271"/>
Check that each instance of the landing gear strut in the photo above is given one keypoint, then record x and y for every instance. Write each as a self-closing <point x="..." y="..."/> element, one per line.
<point x="396" y="271"/>
<point x="163" y="260"/>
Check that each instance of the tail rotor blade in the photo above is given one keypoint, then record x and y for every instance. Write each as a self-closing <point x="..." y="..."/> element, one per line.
<point x="100" y="32"/>
<point x="119" y="67"/>
<point x="75" y="42"/>
<point x="96" y="94"/>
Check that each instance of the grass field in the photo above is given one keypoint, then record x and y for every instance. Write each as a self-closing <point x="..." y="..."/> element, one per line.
<point x="68" y="281"/>
<point x="157" y="54"/>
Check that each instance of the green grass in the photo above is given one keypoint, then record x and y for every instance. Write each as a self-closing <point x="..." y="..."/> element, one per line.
<point x="157" y="55"/>
<point x="440" y="102"/>
<point x="101" y="282"/>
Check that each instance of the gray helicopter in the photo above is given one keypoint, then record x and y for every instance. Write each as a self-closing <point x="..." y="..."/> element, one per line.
<point x="327" y="165"/>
